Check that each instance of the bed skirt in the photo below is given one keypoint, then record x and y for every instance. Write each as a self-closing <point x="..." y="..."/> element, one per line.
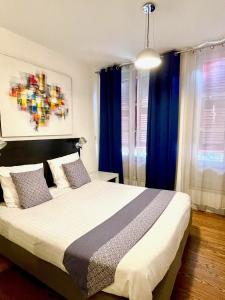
<point x="63" y="284"/>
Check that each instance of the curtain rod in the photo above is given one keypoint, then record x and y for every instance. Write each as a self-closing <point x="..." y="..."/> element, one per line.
<point x="210" y="44"/>
<point x="119" y="65"/>
<point x="204" y="45"/>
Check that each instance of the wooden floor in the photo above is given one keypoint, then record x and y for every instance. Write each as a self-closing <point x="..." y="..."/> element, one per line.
<point x="202" y="275"/>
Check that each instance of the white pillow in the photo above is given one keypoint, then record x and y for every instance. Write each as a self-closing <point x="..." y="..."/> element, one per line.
<point x="57" y="171"/>
<point x="9" y="191"/>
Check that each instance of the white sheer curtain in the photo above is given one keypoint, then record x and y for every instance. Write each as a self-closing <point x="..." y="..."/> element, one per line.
<point x="134" y="124"/>
<point x="201" y="160"/>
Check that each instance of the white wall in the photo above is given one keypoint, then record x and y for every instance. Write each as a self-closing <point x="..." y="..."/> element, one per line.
<point x="82" y="78"/>
<point x="96" y="110"/>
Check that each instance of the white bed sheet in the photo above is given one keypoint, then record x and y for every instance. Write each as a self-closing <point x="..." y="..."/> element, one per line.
<point x="48" y="229"/>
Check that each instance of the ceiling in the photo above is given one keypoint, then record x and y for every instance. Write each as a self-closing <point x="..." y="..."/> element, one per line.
<point x="102" y="32"/>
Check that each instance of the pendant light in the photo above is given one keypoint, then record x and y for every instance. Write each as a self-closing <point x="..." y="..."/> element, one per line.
<point x="148" y="58"/>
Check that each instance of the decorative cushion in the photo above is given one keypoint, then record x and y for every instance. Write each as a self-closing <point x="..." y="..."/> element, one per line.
<point x="9" y="190"/>
<point x="31" y="188"/>
<point x="76" y="174"/>
<point x="57" y="170"/>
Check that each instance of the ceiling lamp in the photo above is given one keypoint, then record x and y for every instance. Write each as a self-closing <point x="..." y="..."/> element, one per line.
<point x="148" y="58"/>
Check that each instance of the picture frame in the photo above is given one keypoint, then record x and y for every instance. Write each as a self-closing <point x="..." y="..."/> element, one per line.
<point x="34" y="101"/>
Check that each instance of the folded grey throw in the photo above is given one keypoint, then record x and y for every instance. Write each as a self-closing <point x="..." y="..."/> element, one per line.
<point x="93" y="258"/>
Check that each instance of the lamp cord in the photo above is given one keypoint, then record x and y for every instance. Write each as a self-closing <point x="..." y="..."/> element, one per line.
<point x="148" y="27"/>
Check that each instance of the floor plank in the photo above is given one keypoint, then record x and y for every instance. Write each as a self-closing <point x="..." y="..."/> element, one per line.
<point x="18" y="285"/>
<point x="5" y="264"/>
<point x="201" y="277"/>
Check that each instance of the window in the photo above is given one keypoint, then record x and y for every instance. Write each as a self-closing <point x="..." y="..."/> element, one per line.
<point x="135" y="87"/>
<point x="125" y="111"/>
<point x="201" y="167"/>
<point x="142" y="111"/>
<point x="212" y="119"/>
<point x="138" y="114"/>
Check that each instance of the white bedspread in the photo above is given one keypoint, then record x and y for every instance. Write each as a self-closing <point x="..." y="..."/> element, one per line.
<point x="48" y="229"/>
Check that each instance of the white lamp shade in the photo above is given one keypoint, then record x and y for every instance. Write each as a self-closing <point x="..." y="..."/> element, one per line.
<point x="147" y="59"/>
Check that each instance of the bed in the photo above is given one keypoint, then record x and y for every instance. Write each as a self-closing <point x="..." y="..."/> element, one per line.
<point x="36" y="238"/>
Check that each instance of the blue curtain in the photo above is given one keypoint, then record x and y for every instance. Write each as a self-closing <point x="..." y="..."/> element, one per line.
<point x="110" y="153"/>
<point x="162" y="130"/>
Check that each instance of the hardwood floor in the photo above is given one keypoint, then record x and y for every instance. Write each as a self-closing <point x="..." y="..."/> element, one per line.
<point x="18" y="285"/>
<point x="202" y="275"/>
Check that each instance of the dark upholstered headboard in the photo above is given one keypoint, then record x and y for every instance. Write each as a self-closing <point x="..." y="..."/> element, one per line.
<point x="36" y="151"/>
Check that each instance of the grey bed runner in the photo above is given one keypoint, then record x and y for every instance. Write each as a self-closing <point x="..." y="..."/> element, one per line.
<point x="92" y="259"/>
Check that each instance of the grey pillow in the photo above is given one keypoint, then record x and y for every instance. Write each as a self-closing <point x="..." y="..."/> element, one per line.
<point x="76" y="173"/>
<point x="31" y="188"/>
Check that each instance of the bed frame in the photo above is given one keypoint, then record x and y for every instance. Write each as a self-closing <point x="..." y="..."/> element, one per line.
<point x="36" y="151"/>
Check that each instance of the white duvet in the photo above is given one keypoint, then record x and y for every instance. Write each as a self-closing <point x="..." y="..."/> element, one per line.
<point x="48" y="229"/>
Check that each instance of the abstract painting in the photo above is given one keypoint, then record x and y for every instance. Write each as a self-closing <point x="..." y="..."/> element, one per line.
<point x="34" y="101"/>
<point x="40" y="99"/>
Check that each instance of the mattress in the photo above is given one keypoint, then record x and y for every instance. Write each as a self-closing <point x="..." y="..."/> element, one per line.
<point x="48" y="229"/>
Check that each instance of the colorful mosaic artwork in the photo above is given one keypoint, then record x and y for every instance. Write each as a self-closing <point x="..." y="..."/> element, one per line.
<point x="39" y="99"/>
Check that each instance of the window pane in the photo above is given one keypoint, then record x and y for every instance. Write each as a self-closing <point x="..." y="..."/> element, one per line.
<point x="212" y="121"/>
<point x="134" y="124"/>
<point x="125" y="111"/>
<point x="142" y="110"/>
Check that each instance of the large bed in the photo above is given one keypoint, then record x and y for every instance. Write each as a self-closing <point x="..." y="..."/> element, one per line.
<point x="36" y="238"/>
